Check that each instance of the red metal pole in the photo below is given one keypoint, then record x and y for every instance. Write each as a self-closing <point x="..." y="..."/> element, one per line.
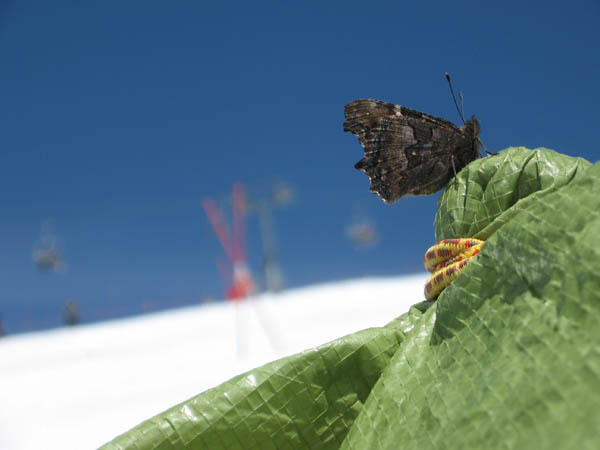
<point x="220" y="226"/>
<point x="239" y="215"/>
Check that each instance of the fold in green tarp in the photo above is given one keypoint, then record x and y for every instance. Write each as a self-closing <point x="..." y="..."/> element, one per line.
<point x="507" y="357"/>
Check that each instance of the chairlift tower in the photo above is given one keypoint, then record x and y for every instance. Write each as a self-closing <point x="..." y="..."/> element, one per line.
<point x="281" y="195"/>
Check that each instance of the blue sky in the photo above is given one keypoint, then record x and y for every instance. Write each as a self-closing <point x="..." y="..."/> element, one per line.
<point x="117" y="118"/>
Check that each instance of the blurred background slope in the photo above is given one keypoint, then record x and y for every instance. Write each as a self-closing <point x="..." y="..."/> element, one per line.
<point x="80" y="387"/>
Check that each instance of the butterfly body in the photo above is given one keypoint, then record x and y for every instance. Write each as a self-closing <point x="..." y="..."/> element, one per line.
<point x="408" y="152"/>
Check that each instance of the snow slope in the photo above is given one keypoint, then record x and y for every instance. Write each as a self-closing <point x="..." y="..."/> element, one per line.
<point x="77" y="388"/>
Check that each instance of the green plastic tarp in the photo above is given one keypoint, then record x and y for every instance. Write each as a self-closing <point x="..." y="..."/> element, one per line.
<point x="507" y="357"/>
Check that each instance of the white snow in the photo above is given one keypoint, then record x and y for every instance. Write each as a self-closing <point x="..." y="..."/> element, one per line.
<point x="77" y="388"/>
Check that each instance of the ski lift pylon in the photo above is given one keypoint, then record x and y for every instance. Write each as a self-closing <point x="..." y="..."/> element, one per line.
<point x="242" y="284"/>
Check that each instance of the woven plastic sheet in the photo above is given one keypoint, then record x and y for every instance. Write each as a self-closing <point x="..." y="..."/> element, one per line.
<point x="489" y="192"/>
<point x="507" y="357"/>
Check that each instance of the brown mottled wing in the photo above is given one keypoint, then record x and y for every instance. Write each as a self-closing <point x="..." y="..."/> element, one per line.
<point x="406" y="151"/>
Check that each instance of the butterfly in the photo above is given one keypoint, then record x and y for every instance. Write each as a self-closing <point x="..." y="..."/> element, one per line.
<point x="408" y="152"/>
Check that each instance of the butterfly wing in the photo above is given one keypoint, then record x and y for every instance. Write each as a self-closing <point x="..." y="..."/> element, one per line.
<point x="406" y="151"/>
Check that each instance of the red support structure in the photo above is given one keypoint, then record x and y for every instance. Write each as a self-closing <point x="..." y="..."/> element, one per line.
<point x="239" y="216"/>
<point x="243" y="285"/>
<point x="219" y="225"/>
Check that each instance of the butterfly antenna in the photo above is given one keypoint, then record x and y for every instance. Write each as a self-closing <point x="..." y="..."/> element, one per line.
<point x="460" y="113"/>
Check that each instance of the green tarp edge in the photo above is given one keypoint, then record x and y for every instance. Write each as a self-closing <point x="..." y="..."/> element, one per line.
<point x="508" y="357"/>
<point x="308" y="400"/>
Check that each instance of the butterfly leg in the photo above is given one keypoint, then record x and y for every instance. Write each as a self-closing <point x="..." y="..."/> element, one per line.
<point x="453" y="166"/>
<point x="454" y="170"/>
<point x="485" y="149"/>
